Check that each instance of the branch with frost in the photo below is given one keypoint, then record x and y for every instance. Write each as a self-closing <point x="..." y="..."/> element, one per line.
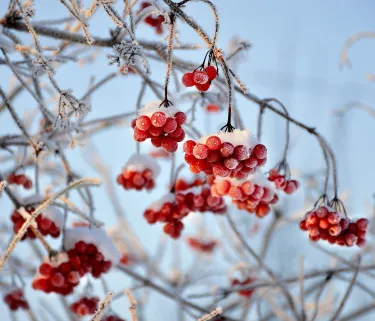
<point x="355" y="105"/>
<point x="127" y="54"/>
<point x="39" y="209"/>
<point x="102" y="306"/>
<point x="211" y="315"/>
<point x="132" y="306"/>
<point x="3" y="184"/>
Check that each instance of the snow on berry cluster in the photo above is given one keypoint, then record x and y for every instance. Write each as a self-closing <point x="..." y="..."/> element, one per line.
<point x="87" y="251"/>
<point x="140" y="172"/>
<point x="20" y="179"/>
<point x="325" y="223"/>
<point x="253" y="194"/>
<point x="201" y="79"/>
<point x="235" y="154"/>
<point x="50" y="222"/>
<point x="247" y="281"/>
<point x="85" y="306"/>
<point x="152" y="20"/>
<point x="15" y="300"/>
<point x="203" y="246"/>
<point x="172" y="208"/>
<point x="160" y="124"/>
<point x="289" y="186"/>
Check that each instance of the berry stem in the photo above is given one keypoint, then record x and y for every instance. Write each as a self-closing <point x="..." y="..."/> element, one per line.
<point x="172" y="17"/>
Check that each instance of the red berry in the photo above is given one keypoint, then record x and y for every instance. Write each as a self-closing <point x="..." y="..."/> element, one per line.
<point x="211" y="72"/>
<point x="188" y="79"/>
<point x="303" y="226"/>
<point x="200" y="151"/>
<point x="57" y="280"/>
<point x="220" y="170"/>
<point x="188" y="147"/>
<point x="231" y="163"/>
<point x="203" y="87"/>
<point x="169" y="144"/>
<point x="45" y="269"/>
<point x="140" y="135"/>
<point x="158" y="119"/>
<point x="200" y="77"/>
<point x="262" y="210"/>
<point x="223" y="187"/>
<point x="143" y="123"/>
<point x="260" y="151"/>
<point x="226" y="149"/>
<point x="362" y="224"/>
<point x="241" y="152"/>
<point x="180" y="117"/>
<point x="155" y="131"/>
<point x="213" y="143"/>
<point x="170" y="125"/>
<point x="80" y="247"/>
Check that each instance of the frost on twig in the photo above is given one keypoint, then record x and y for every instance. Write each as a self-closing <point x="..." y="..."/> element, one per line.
<point x="102" y="305"/>
<point x="211" y="315"/>
<point x="68" y="102"/>
<point x="42" y="64"/>
<point x="132" y="306"/>
<point x="127" y="54"/>
<point x="3" y="184"/>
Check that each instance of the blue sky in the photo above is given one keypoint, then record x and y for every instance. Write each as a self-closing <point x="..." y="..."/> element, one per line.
<point x="295" y="58"/>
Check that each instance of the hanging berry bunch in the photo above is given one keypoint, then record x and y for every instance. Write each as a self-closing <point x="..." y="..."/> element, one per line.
<point x="227" y="154"/>
<point x="85" y="306"/>
<point x="202" y="76"/>
<point x="155" y="21"/>
<point x="246" y="281"/>
<point x="201" y="245"/>
<point x="252" y="194"/>
<point x="50" y="222"/>
<point x="167" y="210"/>
<point x="162" y="124"/>
<point x="283" y="181"/>
<point x="330" y="223"/>
<point x="87" y="251"/>
<point x="20" y="179"/>
<point x="140" y="172"/>
<point x="15" y="300"/>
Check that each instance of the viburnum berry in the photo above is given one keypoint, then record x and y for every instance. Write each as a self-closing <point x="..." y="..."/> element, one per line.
<point x="112" y="318"/>
<point x="152" y="20"/>
<point x="15" y="300"/>
<point x="203" y="246"/>
<point x="253" y="194"/>
<point x="224" y="154"/>
<point x="247" y="281"/>
<point x="160" y="124"/>
<point x="140" y="172"/>
<point x="85" y="306"/>
<point x="188" y="79"/>
<point x="183" y="184"/>
<point x="211" y="72"/>
<point x="212" y="108"/>
<point x="325" y="223"/>
<point x="282" y="182"/>
<point x="200" y="77"/>
<point x="20" y="179"/>
<point x="49" y="222"/>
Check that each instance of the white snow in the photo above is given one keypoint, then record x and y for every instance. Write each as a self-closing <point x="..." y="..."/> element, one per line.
<point x="157" y="205"/>
<point x="97" y="236"/>
<point x="154" y="106"/>
<point x="55" y="216"/>
<point x="237" y="137"/>
<point x="140" y="162"/>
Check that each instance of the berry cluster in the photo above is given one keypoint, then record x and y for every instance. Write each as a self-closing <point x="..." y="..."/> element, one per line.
<point x="204" y="246"/>
<point x="168" y="211"/>
<point x="162" y="125"/>
<point x="112" y="318"/>
<point x="327" y="224"/>
<point x="15" y="300"/>
<point x="155" y="22"/>
<point x="20" y="179"/>
<point x="289" y="186"/>
<point x="139" y="173"/>
<point x="62" y="273"/>
<point x="234" y="154"/>
<point x="251" y="194"/>
<point x="85" y="306"/>
<point x="200" y="199"/>
<point x="183" y="184"/>
<point x="201" y="79"/>
<point x="46" y="224"/>
<point x="244" y="293"/>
